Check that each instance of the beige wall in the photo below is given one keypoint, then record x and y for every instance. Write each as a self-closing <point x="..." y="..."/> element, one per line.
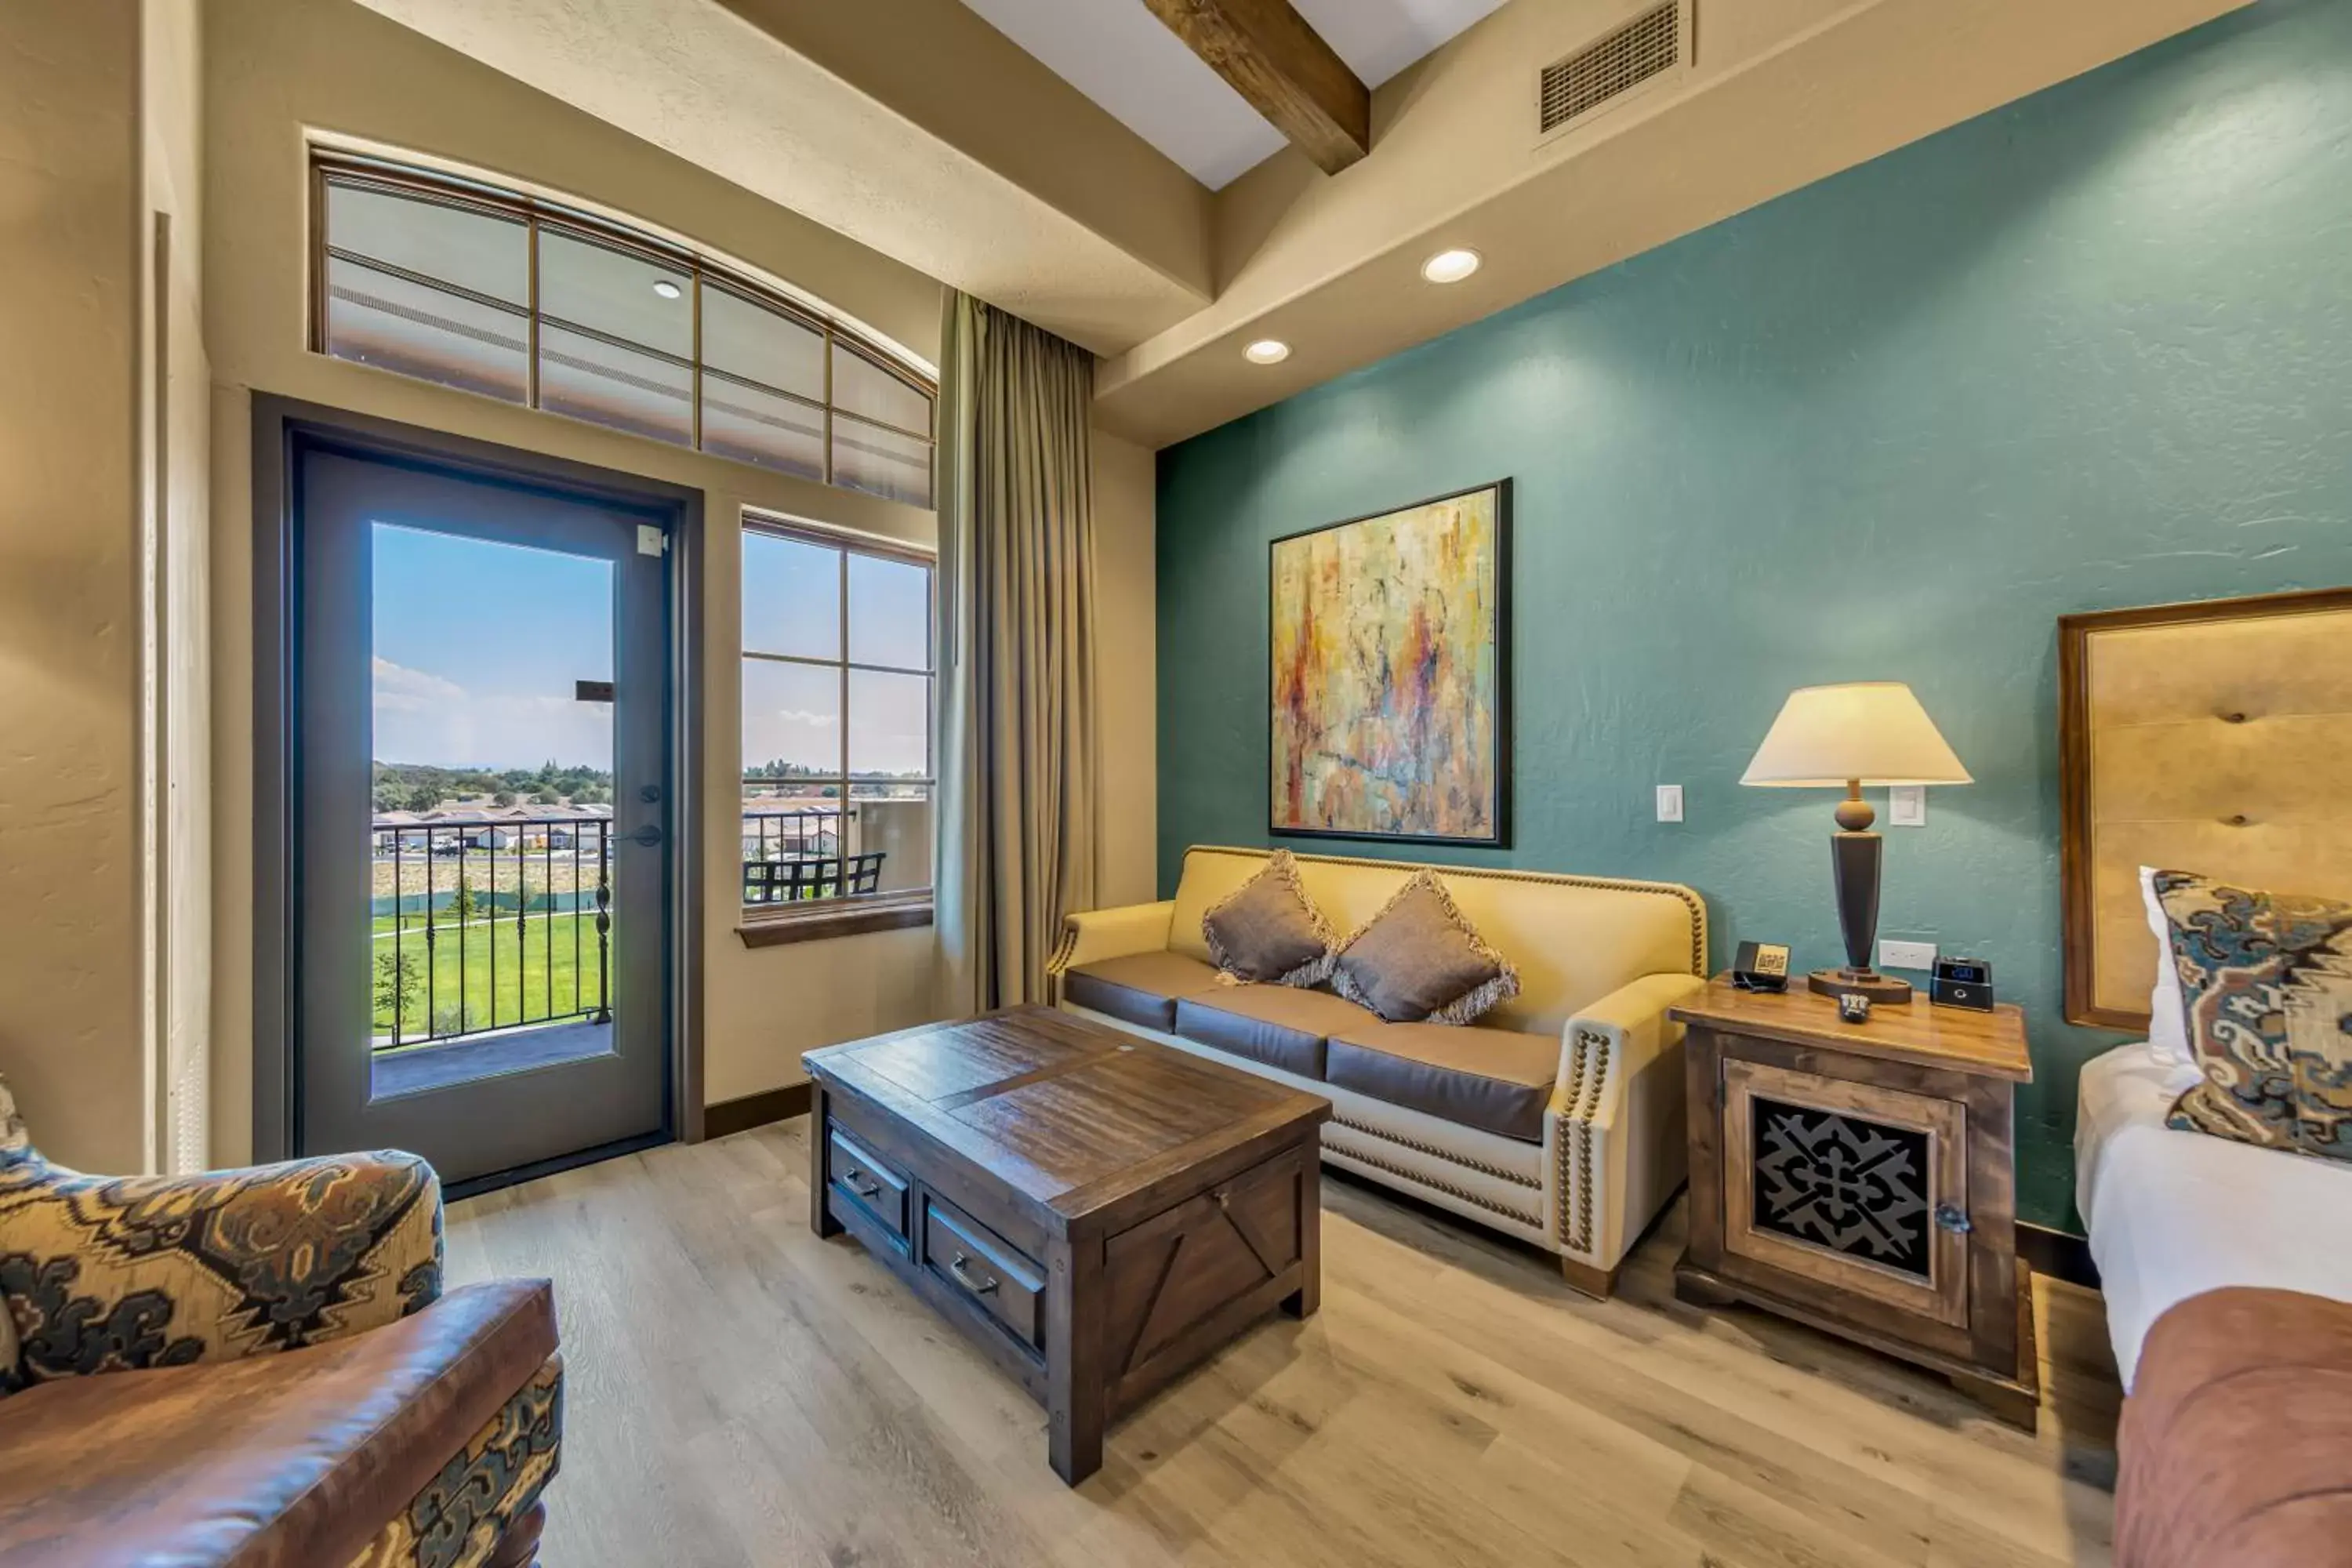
<point x="70" y="938"/>
<point x="102" y="952"/>
<point x="1127" y="621"/>
<point x="275" y="68"/>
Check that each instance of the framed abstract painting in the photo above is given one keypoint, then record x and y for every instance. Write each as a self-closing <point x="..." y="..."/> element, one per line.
<point x="1391" y="637"/>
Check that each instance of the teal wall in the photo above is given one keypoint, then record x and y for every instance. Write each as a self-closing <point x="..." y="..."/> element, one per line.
<point x="2092" y="350"/>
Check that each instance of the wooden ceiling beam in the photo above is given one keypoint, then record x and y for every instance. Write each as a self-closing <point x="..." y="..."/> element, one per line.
<point x="1285" y="70"/>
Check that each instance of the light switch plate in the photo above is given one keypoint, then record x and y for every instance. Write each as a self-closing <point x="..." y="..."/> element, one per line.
<point x="1670" y="803"/>
<point x="1895" y="954"/>
<point x="1906" y="806"/>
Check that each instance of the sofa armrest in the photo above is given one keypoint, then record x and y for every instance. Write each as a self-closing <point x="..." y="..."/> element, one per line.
<point x="112" y="1274"/>
<point x="1630" y="1028"/>
<point x="1110" y="934"/>
<point x="1616" y="1122"/>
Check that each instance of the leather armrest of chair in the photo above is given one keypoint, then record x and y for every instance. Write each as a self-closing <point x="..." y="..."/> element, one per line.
<point x="121" y="1273"/>
<point x="1098" y="934"/>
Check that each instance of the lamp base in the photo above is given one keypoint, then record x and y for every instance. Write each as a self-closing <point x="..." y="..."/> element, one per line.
<point x="1863" y="982"/>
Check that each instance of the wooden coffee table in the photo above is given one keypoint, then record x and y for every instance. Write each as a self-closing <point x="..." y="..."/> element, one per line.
<point x="1097" y="1212"/>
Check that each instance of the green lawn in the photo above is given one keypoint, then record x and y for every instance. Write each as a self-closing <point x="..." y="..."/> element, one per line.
<point x="536" y="973"/>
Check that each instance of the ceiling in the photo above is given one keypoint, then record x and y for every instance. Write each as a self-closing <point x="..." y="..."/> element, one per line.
<point x="1061" y="167"/>
<point x="1118" y="54"/>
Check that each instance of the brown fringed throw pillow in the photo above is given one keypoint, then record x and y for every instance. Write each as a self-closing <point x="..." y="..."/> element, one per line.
<point x="1420" y="960"/>
<point x="1269" y="930"/>
<point x="2268" y="982"/>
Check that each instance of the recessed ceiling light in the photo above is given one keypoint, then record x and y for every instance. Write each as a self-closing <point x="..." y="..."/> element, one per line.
<point x="1451" y="266"/>
<point x="665" y="288"/>
<point x="1268" y="351"/>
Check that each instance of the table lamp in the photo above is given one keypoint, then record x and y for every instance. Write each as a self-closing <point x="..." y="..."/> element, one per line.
<point x="1828" y="737"/>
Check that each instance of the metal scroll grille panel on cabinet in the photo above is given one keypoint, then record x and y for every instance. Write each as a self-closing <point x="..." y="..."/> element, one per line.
<point x="1856" y="1188"/>
<point x="1650" y="45"/>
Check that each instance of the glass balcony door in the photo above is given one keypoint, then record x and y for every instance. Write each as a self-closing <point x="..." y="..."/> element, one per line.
<point x="482" y="853"/>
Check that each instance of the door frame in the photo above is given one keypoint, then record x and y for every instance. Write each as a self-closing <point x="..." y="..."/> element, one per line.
<point x="283" y="429"/>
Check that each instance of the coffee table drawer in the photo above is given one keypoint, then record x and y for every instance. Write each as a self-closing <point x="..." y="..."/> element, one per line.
<point x="871" y="1184"/>
<point x="986" y="1269"/>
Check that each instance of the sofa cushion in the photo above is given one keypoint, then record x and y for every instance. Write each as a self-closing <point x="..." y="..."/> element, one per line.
<point x="1497" y="1080"/>
<point x="1268" y="929"/>
<point x="276" y="1460"/>
<point x="1280" y="1025"/>
<point x="1140" y="988"/>
<point x="1419" y="959"/>
<point x="2236" y="1445"/>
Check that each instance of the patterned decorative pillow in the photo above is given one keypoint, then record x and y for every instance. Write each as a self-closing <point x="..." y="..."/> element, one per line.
<point x="1420" y="960"/>
<point x="1269" y="929"/>
<point x="2268" y="982"/>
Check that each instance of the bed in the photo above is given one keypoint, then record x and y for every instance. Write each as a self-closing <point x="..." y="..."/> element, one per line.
<point x="2214" y="738"/>
<point x="2167" y="1210"/>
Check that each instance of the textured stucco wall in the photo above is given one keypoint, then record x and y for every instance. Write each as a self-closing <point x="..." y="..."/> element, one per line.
<point x="70" y="938"/>
<point x="2092" y="350"/>
<point x="276" y="67"/>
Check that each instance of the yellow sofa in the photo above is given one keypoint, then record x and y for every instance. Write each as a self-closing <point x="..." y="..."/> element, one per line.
<point x="1557" y="1118"/>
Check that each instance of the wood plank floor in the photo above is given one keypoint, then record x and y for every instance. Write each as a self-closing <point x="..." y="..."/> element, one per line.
<point x="743" y="1394"/>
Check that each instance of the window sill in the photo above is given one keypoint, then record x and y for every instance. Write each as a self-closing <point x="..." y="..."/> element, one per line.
<point x="829" y="918"/>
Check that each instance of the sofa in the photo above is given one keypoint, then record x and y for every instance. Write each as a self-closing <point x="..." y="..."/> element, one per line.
<point x="259" y="1368"/>
<point x="1556" y="1119"/>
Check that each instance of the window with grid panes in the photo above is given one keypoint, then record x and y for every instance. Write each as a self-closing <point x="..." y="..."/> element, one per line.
<point x="838" y="684"/>
<point x="504" y="294"/>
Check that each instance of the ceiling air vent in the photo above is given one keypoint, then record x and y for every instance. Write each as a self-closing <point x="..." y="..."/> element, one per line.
<point x="1612" y="65"/>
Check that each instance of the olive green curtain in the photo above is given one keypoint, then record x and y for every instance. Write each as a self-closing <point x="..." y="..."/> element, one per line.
<point x="1018" y="765"/>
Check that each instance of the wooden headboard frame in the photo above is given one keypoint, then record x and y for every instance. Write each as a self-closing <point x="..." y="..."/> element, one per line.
<point x="2203" y="693"/>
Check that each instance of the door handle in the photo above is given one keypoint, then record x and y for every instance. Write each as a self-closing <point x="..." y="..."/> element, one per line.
<point x="648" y="835"/>
<point x="1952" y="1219"/>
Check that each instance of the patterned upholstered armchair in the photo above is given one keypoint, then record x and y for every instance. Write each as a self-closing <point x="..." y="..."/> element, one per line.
<point x="258" y="1368"/>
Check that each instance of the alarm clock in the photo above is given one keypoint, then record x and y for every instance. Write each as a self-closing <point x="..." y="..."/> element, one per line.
<point x="1962" y="983"/>
<point x="1761" y="967"/>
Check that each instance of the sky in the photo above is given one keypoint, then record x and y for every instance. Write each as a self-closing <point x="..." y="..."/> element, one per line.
<point x="478" y="645"/>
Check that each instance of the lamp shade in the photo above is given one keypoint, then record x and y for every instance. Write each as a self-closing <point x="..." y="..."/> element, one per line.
<point x="1872" y="732"/>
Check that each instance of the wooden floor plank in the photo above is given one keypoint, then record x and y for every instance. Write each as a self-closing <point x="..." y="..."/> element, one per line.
<point x="741" y="1393"/>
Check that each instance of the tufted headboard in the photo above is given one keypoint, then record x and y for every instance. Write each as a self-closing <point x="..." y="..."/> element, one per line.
<point x="2214" y="738"/>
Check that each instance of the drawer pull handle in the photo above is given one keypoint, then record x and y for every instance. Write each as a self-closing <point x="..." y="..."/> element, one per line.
<point x="1952" y="1219"/>
<point x="977" y="1287"/>
<point x="860" y="1185"/>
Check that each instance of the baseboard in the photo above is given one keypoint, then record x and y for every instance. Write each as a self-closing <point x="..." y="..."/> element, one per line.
<point x="2058" y="1253"/>
<point x="755" y="1110"/>
<point x="474" y="1186"/>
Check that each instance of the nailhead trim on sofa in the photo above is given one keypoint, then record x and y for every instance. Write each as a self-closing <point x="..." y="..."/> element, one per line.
<point x="1534" y="1184"/>
<point x="1580" y="1128"/>
<point x="1475" y="1199"/>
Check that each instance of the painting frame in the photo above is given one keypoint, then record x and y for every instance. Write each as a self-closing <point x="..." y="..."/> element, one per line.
<point x="1498" y="639"/>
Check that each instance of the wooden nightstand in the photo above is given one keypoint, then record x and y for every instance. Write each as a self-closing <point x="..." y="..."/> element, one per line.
<point x="1861" y="1178"/>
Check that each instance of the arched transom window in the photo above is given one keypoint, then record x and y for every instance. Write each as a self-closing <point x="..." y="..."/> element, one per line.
<point x="516" y="298"/>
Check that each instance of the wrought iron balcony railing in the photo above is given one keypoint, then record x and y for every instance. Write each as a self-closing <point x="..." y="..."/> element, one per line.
<point x="488" y="924"/>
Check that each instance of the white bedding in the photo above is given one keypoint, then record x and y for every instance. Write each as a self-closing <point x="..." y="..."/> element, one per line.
<point x="2173" y="1214"/>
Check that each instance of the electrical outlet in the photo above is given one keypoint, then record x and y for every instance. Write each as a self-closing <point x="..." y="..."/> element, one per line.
<point x="1906" y="806"/>
<point x="1895" y="954"/>
<point x="1670" y="803"/>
